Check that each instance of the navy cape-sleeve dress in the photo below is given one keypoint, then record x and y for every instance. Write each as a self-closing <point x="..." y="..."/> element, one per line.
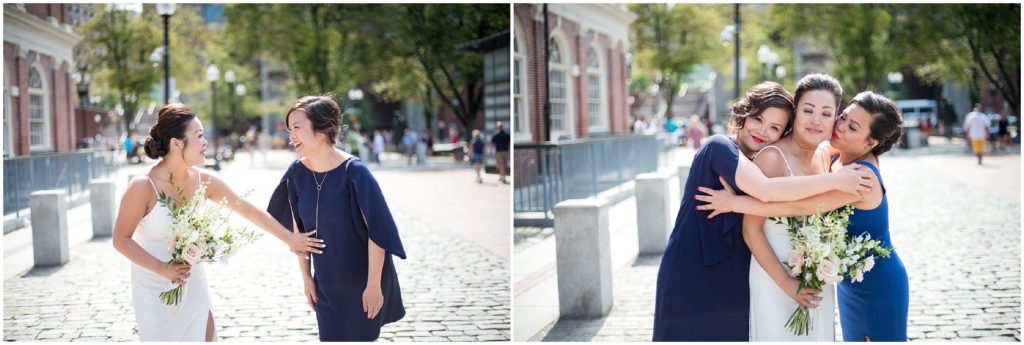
<point x="352" y="210"/>
<point x="702" y="292"/>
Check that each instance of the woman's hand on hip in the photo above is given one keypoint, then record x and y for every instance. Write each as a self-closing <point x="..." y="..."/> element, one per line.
<point x="373" y="300"/>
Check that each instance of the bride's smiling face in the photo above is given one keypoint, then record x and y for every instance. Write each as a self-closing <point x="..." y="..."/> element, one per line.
<point x="302" y="136"/>
<point x="815" y="116"/>
<point x="193" y="148"/>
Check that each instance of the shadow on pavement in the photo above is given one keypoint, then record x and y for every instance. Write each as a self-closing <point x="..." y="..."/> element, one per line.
<point x="574" y="330"/>
<point x="647" y="260"/>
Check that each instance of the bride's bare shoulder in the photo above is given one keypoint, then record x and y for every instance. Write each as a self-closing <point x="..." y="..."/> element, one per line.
<point x="771" y="161"/>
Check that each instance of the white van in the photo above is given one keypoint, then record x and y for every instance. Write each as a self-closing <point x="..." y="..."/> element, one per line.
<point x="916" y="111"/>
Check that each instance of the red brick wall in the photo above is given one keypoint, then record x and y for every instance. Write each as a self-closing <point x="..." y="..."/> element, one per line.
<point x="578" y="42"/>
<point x="61" y="100"/>
<point x="59" y="11"/>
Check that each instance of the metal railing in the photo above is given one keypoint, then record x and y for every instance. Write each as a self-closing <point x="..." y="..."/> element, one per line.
<point x="71" y="171"/>
<point x="548" y="173"/>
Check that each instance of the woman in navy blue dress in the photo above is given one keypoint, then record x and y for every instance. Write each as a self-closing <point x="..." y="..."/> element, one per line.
<point x="354" y="289"/>
<point x="702" y="292"/>
<point x="876" y="308"/>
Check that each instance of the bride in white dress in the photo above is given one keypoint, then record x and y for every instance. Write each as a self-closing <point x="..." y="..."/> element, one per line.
<point x="142" y="231"/>
<point x="773" y="293"/>
<point x="770" y="305"/>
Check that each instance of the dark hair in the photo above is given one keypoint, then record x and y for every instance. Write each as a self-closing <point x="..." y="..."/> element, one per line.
<point x="323" y="112"/>
<point x="171" y="123"/>
<point x="762" y="96"/>
<point x="818" y="81"/>
<point x="886" y="121"/>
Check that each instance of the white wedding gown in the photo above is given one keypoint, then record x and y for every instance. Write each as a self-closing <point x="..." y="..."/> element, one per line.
<point x="158" y="321"/>
<point x="770" y="307"/>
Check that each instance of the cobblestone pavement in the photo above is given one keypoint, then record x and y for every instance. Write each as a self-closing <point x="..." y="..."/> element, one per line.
<point x="454" y="290"/>
<point x="959" y="241"/>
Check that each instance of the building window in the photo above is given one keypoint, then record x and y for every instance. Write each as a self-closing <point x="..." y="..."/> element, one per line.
<point x="38" y="112"/>
<point x="8" y="141"/>
<point x="595" y="92"/>
<point x="519" y="91"/>
<point x="559" y="92"/>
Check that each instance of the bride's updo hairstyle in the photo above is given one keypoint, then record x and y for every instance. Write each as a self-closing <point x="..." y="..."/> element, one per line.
<point x="171" y="122"/>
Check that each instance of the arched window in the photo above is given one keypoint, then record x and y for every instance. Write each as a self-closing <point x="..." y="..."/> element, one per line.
<point x="596" y="99"/>
<point x="559" y="90"/>
<point x="38" y="111"/>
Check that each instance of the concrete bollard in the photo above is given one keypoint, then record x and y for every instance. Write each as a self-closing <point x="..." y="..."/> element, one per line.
<point x="49" y="227"/>
<point x="684" y="172"/>
<point x="653" y="211"/>
<point x="103" y="205"/>
<point x="583" y="255"/>
<point x="421" y="153"/>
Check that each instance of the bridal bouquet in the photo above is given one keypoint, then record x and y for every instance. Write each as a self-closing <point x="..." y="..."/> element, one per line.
<point x="823" y="253"/>
<point x="199" y="233"/>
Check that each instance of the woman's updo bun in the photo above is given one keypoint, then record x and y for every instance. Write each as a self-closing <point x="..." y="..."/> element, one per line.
<point x="171" y="123"/>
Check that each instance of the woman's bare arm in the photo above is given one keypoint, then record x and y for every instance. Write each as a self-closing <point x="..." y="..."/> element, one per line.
<point x="751" y="180"/>
<point x="300" y="242"/>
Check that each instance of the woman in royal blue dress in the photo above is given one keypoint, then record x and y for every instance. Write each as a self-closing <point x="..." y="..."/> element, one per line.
<point x="354" y="288"/>
<point x="702" y="290"/>
<point x="876" y="308"/>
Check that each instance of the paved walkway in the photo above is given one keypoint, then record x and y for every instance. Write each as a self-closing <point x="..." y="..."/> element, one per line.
<point x="455" y="288"/>
<point x="955" y="225"/>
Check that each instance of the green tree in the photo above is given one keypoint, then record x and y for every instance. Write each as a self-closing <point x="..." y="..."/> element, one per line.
<point x="859" y="36"/>
<point x="117" y="46"/>
<point x="397" y="51"/>
<point x="964" y="42"/>
<point x="431" y="35"/>
<point x="670" y="39"/>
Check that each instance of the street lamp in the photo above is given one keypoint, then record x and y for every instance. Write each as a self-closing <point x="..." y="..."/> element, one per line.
<point x="768" y="59"/>
<point x="166" y="10"/>
<point x="229" y="77"/>
<point x="355" y="94"/>
<point x="895" y="77"/>
<point x="212" y="75"/>
<point x="734" y="31"/>
<point x="82" y="86"/>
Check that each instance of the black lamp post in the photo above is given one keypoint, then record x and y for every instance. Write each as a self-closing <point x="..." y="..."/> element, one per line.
<point x="82" y="84"/>
<point x="229" y="77"/>
<point x="166" y="10"/>
<point x="212" y="75"/>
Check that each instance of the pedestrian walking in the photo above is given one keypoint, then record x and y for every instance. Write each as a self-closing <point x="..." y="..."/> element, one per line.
<point x="378" y="147"/>
<point x="1003" y="133"/>
<point x="976" y="129"/>
<point x="477" y="154"/>
<point x="501" y="141"/>
<point x="696" y="132"/>
<point x="409" y="140"/>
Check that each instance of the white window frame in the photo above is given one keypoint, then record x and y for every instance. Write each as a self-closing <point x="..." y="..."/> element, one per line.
<point x="522" y="129"/>
<point x="601" y="125"/>
<point x="47" y="134"/>
<point x="568" y="130"/>
<point x="8" y="141"/>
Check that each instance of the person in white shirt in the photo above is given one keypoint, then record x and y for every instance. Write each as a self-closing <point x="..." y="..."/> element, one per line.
<point x="378" y="146"/>
<point x="976" y="131"/>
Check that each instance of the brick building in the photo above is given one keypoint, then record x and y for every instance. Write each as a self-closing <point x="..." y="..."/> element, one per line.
<point x="38" y="90"/>
<point x="589" y="70"/>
